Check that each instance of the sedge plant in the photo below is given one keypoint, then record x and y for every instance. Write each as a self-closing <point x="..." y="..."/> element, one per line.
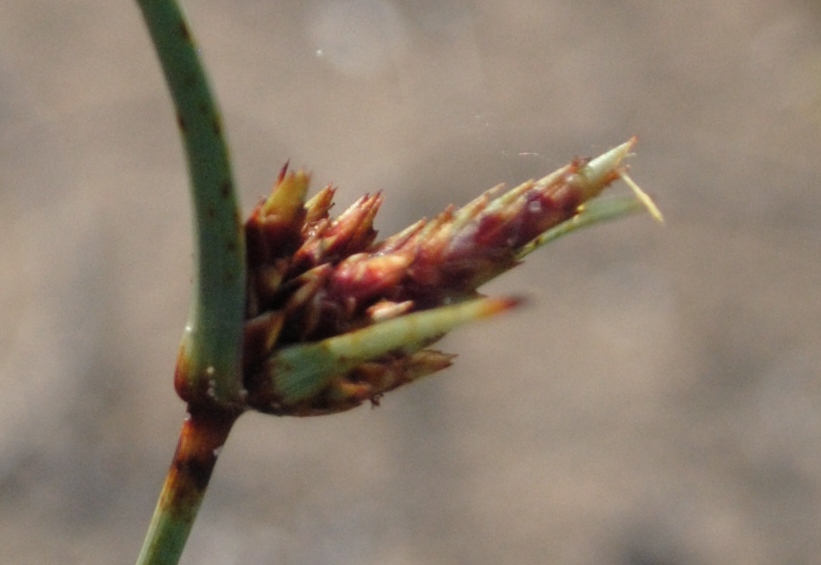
<point x="295" y="312"/>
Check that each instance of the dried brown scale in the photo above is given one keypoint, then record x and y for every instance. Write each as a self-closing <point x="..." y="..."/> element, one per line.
<point x="269" y="239"/>
<point x="261" y="335"/>
<point x="365" y="276"/>
<point x="395" y="242"/>
<point x="330" y="242"/>
<point x="318" y="206"/>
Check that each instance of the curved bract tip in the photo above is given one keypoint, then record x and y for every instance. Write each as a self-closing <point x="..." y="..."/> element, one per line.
<point x="604" y="169"/>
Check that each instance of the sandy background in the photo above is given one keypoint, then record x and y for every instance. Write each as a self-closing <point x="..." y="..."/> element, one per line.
<point x="657" y="402"/>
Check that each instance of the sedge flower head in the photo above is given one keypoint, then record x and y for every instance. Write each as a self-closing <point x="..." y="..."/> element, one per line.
<point x="336" y="317"/>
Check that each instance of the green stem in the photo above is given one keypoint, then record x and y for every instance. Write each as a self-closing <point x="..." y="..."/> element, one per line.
<point x="208" y="373"/>
<point x="203" y="435"/>
<point x="209" y="363"/>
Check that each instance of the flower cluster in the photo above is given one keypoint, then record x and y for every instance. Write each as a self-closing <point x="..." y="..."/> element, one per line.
<point x="335" y="317"/>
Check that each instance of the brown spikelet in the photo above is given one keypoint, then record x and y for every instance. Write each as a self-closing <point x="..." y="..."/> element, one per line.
<point x="316" y="283"/>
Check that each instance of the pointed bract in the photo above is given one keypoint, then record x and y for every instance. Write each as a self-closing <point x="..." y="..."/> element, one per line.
<point x="293" y="377"/>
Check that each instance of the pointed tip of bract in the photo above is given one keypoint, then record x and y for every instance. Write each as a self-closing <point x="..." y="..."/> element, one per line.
<point x="288" y="194"/>
<point x="604" y="169"/>
<point x="318" y="206"/>
<point x="493" y="306"/>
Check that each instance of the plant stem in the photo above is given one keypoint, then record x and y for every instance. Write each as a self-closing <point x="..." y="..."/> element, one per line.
<point x="208" y="374"/>
<point x="209" y="363"/>
<point x="203" y="435"/>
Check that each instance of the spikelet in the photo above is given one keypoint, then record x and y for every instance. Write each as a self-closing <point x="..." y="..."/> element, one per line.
<point x="336" y="318"/>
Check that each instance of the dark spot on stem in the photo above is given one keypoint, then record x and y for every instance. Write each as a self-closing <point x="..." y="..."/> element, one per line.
<point x="217" y="127"/>
<point x="211" y="212"/>
<point x="198" y="471"/>
<point x="226" y="188"/>
<point x="184" y="32"/>
<point x="181" y="124"/>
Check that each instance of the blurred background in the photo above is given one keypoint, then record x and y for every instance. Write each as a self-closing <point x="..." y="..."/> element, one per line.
<point x="658" y="400"/>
